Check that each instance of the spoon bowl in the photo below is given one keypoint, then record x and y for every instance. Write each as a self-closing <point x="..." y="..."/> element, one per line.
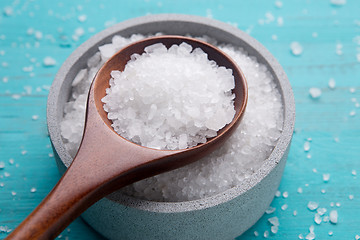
<point x="106" y="161"/>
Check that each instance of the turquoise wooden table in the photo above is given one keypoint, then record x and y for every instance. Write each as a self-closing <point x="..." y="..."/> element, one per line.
<point x="324" y="161"/>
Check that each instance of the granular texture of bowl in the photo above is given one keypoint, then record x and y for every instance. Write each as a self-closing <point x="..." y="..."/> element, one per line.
<point x="170" y="98"/>
<point x="244" y="152"/>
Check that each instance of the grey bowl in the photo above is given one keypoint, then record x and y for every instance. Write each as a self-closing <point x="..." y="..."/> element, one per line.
<point x="223" y="216"/>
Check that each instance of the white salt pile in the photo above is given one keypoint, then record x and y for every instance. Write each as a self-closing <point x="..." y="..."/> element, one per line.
<point x="170" y="98"/>
<point x="228" y="166"/>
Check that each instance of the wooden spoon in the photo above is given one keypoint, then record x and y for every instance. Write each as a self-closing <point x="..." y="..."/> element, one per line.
<point x="106" y="162"/>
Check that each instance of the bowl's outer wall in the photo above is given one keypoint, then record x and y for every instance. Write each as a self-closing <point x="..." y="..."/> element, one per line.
<point x="223" y="216"/>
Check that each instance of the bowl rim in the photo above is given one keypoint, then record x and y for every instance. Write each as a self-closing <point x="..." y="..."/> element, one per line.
<point x="267" y="166"/>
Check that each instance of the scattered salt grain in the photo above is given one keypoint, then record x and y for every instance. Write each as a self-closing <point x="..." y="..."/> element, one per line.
<point x="285" y="194"/>
<point x="338" y="204"/>
<point x="2" y="165"/>
<point x="352" y="113"/>
<point x="35" y="117"/>
<point x="284" y="207"/>
<point x="274" y="37"/>
<point x="295" y="213"/>
<point x="330" y="233"/>
<point x="32" y="190"/>
<point x="23" y="152"/>
<point x="352" y="90"/>
<point x="308" y="156"/>
<point x="300" y="190"/>
<point x="277" y="193"/>
<point x="321" y="211"/>
<point x="357" y="237"/>
<point x="314" y="34"/>
<point x="310" y="236"/>
<point x="5" y="229"/>
<point x="270" y="210"/>
<point x="5" y="79"/>
<point x="314" y="170"/>
<point x="278" y="4"/>
<point x="338" y="2"/>
<point x="38" y="35"/>
<point x="266" y="234"/>
<point x="312" y="205"/>
<point x="16" y="96"/>
<point x="353" y="172"/>
<point x="274" y="229"/>
<point x="28" y="68"/>
<point x="49" y="62"/>
<point x="332" y="204"/>
<point x="351" y="197"/>
<point x="296" y="48"/>
<point x="51" y="155"/>
<point x="333" y="216"/>
<point x="8" y="11"/>
<point x="11" y="161"/>
<point x="326" y="177"/>
<point x="332" y="83"/>
<point x="6" y="174"/>
<point x="301" y="236"/>
<point x="13" y="193"/>
<point x="317" y="218"/>
<point x="280" y="21"/>
<point x="306" y="146"/>
<point x="323" y="191"/>
<point x="315" y="93"/>
<point x="82" y="18"/>
<point x="256" y="234"/>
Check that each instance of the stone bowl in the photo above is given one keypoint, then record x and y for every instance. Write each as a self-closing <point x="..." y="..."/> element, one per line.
<point x="223" y="216"/>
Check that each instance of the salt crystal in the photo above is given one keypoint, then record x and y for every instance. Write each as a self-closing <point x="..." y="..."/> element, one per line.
<point x="270" y="210"/>
<point x="353" y="172"/>
<point x="274" y="221"/>
<point x="330" y="233"/>
<point x="326" y="177"/>
<point x="38" y="35"/>
<point x="351" y="197"/>
<point x="2" y="165"/>
<point x="300" y="190"/>
<point x="274" y="229"/>
<point x="13" y="193"/>
<point x="32" y="190"/>
<point x="308" y="156"/>
<point x="11" y="161"/>
<point x="16" y="96"/>
<point x="278" y="4"/>
<point x="312" y="205"/>
<point x="332" y="83"/>
<point x="28" y="68"/>
<point x="310" y="236"/>
<point x="280" y="21"/>
<point x="277" y="193"/>
<point x="315" y="92"/>
<point x="82" y="18"/>
<point x="8" y="11"/>
<point x="295" y="213"/>
<point x="323" y="191"/>
<point x="357" y="237"/>
<point x="6" y="174"/>
<point x="333" y="216"/>
<point x="338" y="2"/>
<point x="35" y="117"/>
<point x="274" y="37"/>
<point x="5" y="79"/>
<point x="296" y="48"/>
<point x="338" y="204"/>
<point x="49" y="62"/>
<point x="317" y="218"/>
<point x="266" y="234"/>
<point x="314" y="34"/>
<point x="30" y="31"/>
<point x="321" y="211"/>
<point x="256" y="234"/>
<point x="284" y="207"/>
<point x="306" y="146"/>
<point x="352" y="90"/>
<point x="314" y="170"/>
<point x="23" y="152"/>
<point x="285" y="194"/>
<point x="352" y="113"/>
<point x="332" y="204"/>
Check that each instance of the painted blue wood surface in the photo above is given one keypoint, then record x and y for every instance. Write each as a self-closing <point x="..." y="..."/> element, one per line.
<point x="329" y="34"/>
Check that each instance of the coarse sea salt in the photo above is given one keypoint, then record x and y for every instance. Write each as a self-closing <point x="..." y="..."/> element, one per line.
<point x="170" y="98"/>
<point x="244" y="152"/>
